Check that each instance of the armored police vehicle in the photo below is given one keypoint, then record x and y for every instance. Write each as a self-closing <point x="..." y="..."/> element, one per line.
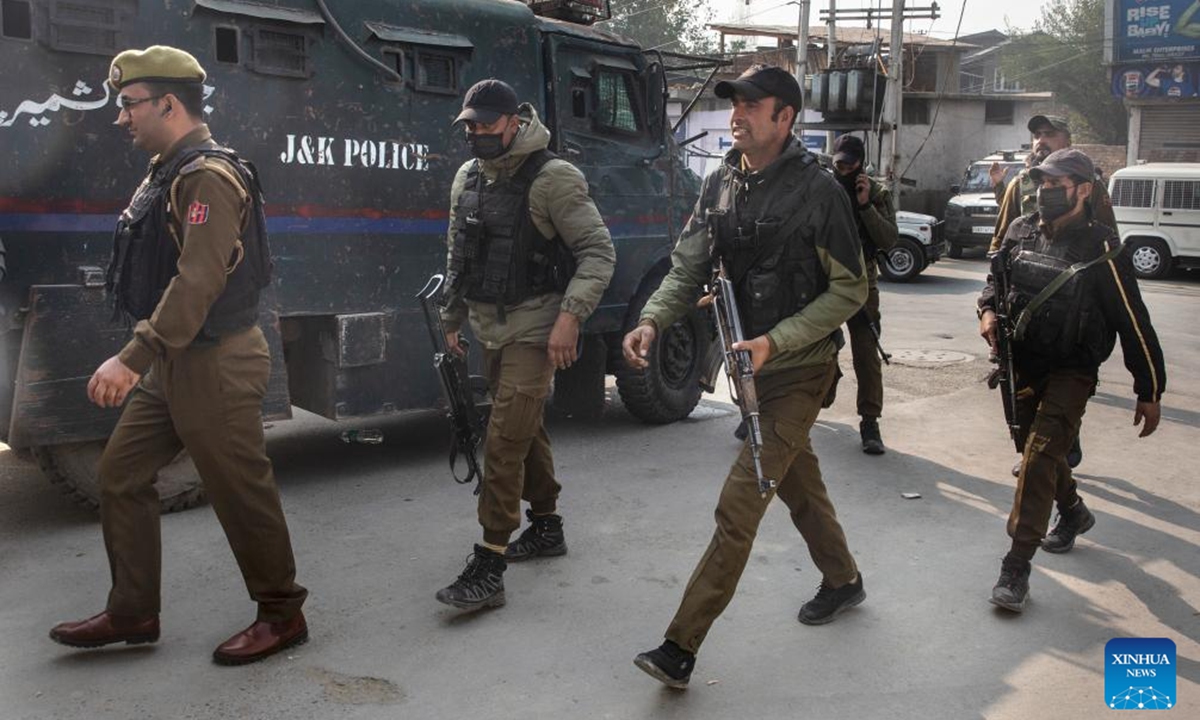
<point x="345" y="108"/>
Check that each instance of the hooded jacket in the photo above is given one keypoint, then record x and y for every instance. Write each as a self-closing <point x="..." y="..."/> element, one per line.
<point x="559" y="204"/>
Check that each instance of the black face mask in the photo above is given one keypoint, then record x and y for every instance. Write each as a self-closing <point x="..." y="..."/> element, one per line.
<point x="1053" y="203"/>
<point x="486" y="147"/>
<point x="847" y="182"/>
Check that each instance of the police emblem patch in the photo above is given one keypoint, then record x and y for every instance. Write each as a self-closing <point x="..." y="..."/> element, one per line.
<point x="197" y="213"/>
<point x="114" y="75"/>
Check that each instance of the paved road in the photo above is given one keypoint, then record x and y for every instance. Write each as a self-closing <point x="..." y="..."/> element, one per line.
<point x="379" y="528"/>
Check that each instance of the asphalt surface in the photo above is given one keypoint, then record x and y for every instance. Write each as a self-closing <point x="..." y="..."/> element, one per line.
<point x="379" y="528"/>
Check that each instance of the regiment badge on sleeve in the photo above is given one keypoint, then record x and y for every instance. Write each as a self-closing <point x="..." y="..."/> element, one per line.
<point x="197" y="213"/>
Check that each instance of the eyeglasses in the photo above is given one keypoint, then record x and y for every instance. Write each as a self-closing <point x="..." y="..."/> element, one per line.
<point x="126" y="102"/>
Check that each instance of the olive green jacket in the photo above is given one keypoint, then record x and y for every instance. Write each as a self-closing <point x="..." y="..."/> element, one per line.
<point x="879" y="222"/>
<point x="559" y="205"/>
<point x="804" y="338"/>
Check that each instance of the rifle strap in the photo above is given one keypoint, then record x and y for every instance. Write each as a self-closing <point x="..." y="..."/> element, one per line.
<point x="1047" y="292"/>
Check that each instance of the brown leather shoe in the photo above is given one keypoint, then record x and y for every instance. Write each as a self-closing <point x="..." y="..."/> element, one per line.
<point x="106" y="629"/>
<point x="260" y="640"/>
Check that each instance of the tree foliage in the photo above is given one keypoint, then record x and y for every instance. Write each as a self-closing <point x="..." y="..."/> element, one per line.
<point x="671" y="25"/>
<point x="1064" y="54"/>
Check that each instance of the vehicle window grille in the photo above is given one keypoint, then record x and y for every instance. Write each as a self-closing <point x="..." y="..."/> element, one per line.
<point x="436" y="73"/>
<point x="226" y="40"/>
<point x="280" y="53"/>
<point x="616" y="108"/>
<point x="394" y="59"/>
<point x="1133" y="193"/>
<point x="1181" y="194"/>
<point x="87" y="26"/>
<point x="15" y="19"/>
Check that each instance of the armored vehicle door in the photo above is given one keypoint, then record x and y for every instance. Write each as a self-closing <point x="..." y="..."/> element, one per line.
<point x="605" y="110"/>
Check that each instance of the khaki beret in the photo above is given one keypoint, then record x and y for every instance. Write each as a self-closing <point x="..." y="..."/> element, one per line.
<point x="157" y="63"/>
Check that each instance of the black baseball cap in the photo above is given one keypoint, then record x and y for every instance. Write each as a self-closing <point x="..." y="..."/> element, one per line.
<point x="1061" y="163"/>
<point x="760" y="81"/>
<point x="487" y="100"/>
<point x="1058" y="122"/>
<point x="848" y="149"/>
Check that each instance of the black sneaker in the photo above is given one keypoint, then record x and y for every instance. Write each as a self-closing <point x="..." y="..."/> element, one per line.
<point x="1075" y="454"/>
<point x="872" y="443"/>
<point x="1011" y="591"/>
<point x="543" y="538"/>
<point x="668" y="663"/>
<point x="831" y="602"/>
<point x="481" y="583"/>
<point x="1075" y="521"/>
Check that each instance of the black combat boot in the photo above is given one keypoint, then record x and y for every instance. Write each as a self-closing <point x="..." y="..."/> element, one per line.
<point x="1011" y="591"/>
<point x="481" y="583"/>
<point x="872" y="443"/>
<point x="544" y="538"/>
<point x="1075" y="521"/>
<point x="831" y="602"/>
<point x="668" y="663"/>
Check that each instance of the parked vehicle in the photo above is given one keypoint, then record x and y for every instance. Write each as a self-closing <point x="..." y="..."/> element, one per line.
<point x="920" y="244"/>
<point x="971" y="212"/>
<point x="347" y="115"/>
<point x="1158" y="215"/>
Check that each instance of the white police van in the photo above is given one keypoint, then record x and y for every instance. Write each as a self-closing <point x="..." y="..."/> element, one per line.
<point x="1157" y="206"/>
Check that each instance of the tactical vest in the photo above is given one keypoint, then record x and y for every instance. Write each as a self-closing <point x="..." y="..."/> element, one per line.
<point x="146" y="248"/>
<point x="1067" y="329"/>
<point x="775" y="272"/>
<point x="499" y="255"/>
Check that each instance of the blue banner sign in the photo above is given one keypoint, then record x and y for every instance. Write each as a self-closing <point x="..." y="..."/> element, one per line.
<point x="1156" y="30"/>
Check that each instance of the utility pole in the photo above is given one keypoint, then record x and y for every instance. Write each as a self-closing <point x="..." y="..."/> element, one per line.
<point x="893" y="107"/>
<point x="895" y="96"/>
<point x="831" y="46"/>
<point x="802" y="55"/>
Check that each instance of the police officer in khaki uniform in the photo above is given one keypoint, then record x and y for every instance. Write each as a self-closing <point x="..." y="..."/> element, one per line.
<point x="1072" y="293"/>
<point x="784" y="232"/>
<point x="189" y="260"/>
<point x="529" y="257"/>
<point x="875" y="219"/>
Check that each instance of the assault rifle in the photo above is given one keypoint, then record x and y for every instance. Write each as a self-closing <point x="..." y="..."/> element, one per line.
<point x="739" y="369"/>
<point x="739" y="364"/>
<point x="468" y="420"/>
<point x="1004" y="377"/>
<point x="885" y="356"/>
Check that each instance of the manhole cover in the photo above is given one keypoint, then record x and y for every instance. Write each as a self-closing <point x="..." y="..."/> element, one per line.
<point x="929" y="358"/>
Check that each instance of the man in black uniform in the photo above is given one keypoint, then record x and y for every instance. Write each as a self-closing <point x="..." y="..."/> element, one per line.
<point x="1072" y="292"/>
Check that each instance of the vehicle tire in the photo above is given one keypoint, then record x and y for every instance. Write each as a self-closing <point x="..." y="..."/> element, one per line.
<point x="669" y="389"/>
<point x="72" y="468"/>
<point x="1151" y="258"/>
<point x="955" y="251"/>
<point x="903" y="262"/>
